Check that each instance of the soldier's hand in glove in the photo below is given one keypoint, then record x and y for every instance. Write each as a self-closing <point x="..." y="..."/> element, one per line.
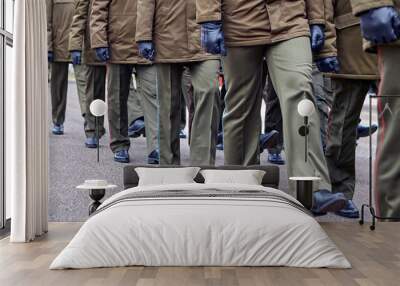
<point x="317" y="37"/>
<point x="328" y="65"/>
<point x="147" y="50"/>
<point x="76" y="57"/>
<point x="102" y="54"/>
<point x="381" y="25"/>
<point x="212" y="38"/>
<point x="50" y="57"/>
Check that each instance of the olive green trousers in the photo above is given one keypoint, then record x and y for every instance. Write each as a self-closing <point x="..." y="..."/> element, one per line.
<point x="204" y="126"/>
<point x="290" y="68"/>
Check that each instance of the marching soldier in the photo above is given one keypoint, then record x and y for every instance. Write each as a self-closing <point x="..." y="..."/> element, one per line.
<point x="112" y="29"/>
<point x="350" y="86"/>
<point x="59" y="19"/>
<point x="167" y="32"/>
<point x="81" y="53"/>
<point x="280" y="32"/>
<point x="380" y="25"/>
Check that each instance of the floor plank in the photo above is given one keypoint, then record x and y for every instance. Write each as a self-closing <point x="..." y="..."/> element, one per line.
<point x="375" y="257"/>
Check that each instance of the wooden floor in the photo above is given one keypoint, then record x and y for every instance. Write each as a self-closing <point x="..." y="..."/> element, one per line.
<point x="375" y="257"/>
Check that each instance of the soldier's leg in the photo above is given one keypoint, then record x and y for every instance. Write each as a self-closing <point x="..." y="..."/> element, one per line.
<point x="147" y="94"/>
<point x="119" y="78"/>
<point x="206" y="112"/>
<point x="290" y="68"/>
<point x="242" y="120"/>
<point x="80" y="72"/>
<point x="387" y="179"/>
<point x="187" y="91"/>
<point x="323" y="94"/>
<point x="169" y="100"/>
<point x="349" y="96"/>
<point x="95" y="89"/>
<point x="273" y="114"/>
<point x="135" y="110"/>
<point x="59" y="89"/>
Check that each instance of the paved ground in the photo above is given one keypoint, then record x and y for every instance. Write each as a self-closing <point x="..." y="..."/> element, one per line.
<point x="71" y="163"/>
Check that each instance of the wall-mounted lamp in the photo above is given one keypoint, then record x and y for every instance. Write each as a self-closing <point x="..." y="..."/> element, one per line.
<point x="98" y="108"/>
<point x="305" y="108"/>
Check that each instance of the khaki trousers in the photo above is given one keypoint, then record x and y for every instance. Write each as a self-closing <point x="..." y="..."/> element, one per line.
<point x="205" y="119"/>
<point x="59" y="89"/>
<point x="348" y="101"/>
<point x="290" y="67"/>
<point x="119" y="83"/>
<point x="95" y="89"/>
<point x="387" y="181"/>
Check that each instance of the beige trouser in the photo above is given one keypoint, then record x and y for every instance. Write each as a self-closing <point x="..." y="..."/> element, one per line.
<point x="205" y="120"/>
<point x="290" y="67"/>
<point x="387" y="181"/>
<point x="59" y="89"/>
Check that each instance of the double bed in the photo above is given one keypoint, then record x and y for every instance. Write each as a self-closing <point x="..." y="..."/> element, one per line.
<point x="201" y="224"/>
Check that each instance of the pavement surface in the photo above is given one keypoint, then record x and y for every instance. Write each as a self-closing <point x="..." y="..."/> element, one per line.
<point x="71" y="164"/>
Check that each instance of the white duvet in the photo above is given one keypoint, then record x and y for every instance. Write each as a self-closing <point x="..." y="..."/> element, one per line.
<point x="205" y="231"/>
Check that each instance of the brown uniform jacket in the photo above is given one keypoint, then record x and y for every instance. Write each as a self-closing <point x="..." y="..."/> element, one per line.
<point x="345" y="36"/>
<point x="59" y="19"/>
<point x="79" y="35"/>
<point x="172" y="26"/>
<point x="113" y="25"/>
<point x="360" y="6"/>
<point x="260" y="22"/>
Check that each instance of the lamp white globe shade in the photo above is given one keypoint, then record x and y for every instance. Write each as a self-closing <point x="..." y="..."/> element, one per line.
<point x="98" y="108"/>
<point x="305" y="108"/>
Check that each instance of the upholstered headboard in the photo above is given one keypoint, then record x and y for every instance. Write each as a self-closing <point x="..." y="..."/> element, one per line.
<point x="271" y="178"/>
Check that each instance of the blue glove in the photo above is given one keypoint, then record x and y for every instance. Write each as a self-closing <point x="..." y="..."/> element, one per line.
<point x="50" y="57"/>
<point x="103" y="54"/>
<point x="76" y="57"/>
<point x="212" y="38"/>
<point x="147" y="50"/>
<point x="328" y="65"/>
<point x="381" y="25"/>
<point x="317" y="37"/>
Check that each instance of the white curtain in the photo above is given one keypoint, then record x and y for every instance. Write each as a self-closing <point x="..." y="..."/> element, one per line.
<point x="27" y="124"/>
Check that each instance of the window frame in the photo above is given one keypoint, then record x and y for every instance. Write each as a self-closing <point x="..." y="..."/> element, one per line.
<point x="6" y="39"/>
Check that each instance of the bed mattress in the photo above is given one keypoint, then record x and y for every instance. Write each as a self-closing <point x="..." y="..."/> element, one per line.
<point x="201" y="225"/>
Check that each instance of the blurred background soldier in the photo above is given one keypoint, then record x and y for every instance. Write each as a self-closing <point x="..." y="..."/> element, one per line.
<point x="59" y="19"/>
<point x="81" y="53"/>
<point x="357" y="72"/>
<point x="167" y="32"/>
<point x="112" y="28"/>
<point x="380" y="25"/>
<point x="285" y="43"/>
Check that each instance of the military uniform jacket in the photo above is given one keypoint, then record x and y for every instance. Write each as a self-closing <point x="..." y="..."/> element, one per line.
<point x="344" y="36"/>
<point x="360" y="6"/>
<point x="172" y="26"/>
<point x="113" y="25"/>
<point x="59" y="19"/>
<point x="79" y="35"/>
<point x="260" y="22"/>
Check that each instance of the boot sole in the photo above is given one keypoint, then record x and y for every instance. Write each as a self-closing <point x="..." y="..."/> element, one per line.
<point x="91" y="146"/>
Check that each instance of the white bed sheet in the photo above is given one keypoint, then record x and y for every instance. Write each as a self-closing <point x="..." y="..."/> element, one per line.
<point x="200" y="232"/>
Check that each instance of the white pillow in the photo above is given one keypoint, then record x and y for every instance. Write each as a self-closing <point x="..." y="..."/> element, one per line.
<point x="243" y="177"/>
<point x="166" y="176"/>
